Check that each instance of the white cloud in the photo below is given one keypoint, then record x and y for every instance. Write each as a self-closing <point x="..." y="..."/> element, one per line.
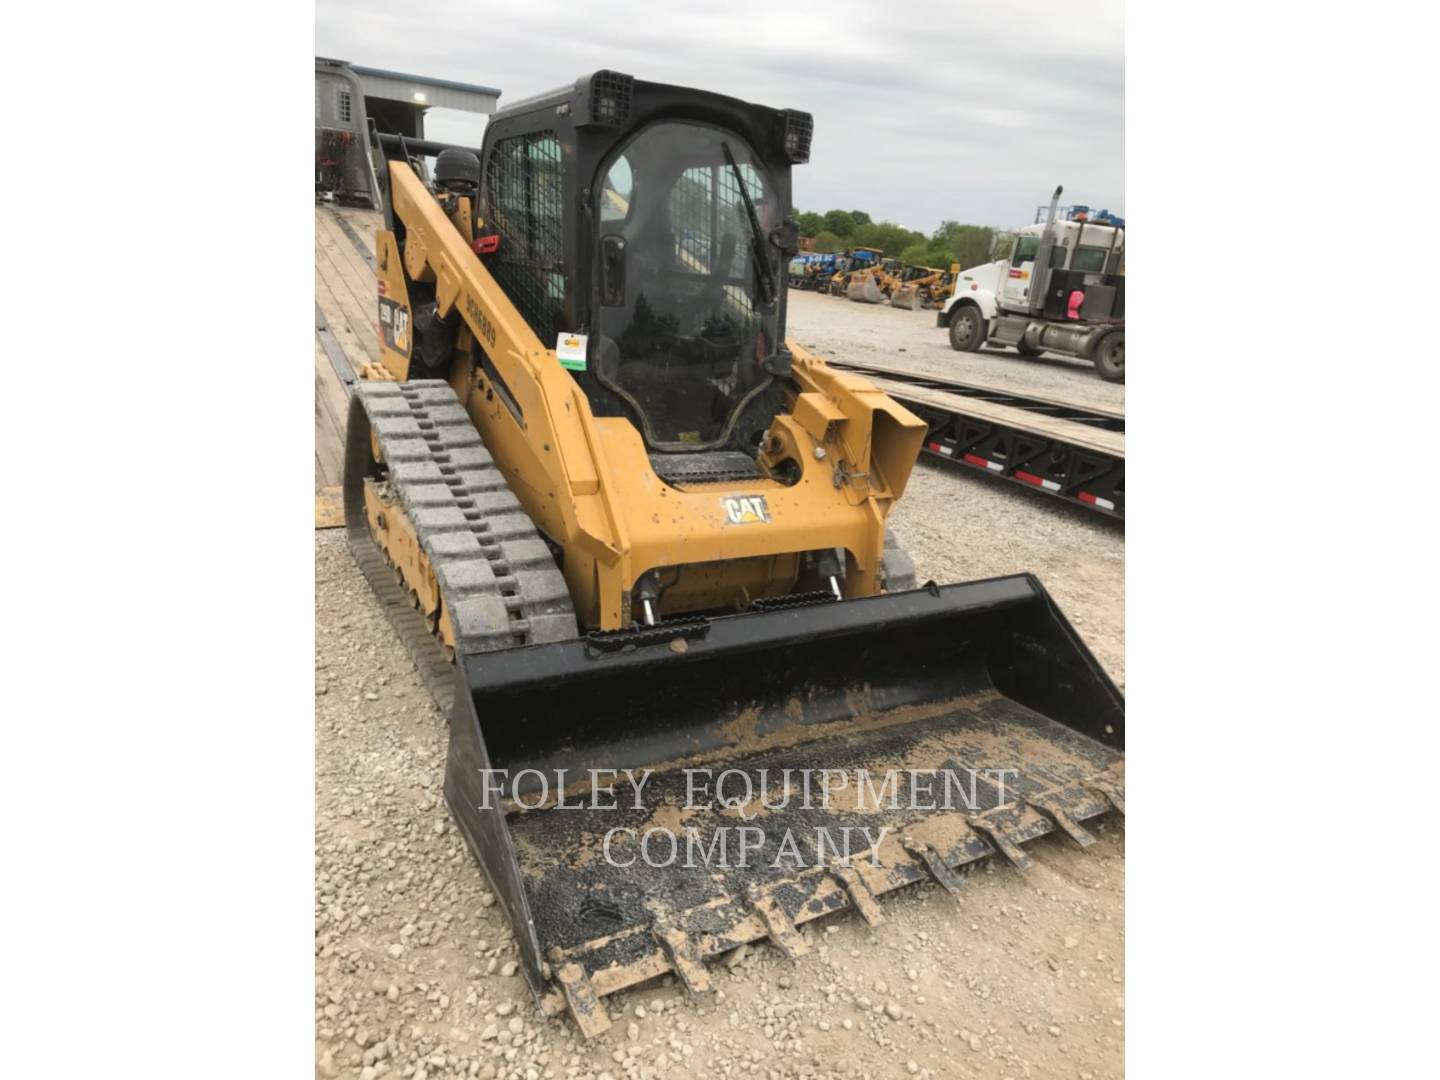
<point x="965" y="111"/>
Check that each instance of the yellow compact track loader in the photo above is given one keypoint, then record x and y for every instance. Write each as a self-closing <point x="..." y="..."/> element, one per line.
<point x="865" y="286"/>
<point x="855" y="261"/>
<point x="635" y="542"/>
<point x="923" y="286"/>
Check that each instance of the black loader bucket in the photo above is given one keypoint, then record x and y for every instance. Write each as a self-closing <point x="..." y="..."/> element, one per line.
<point x="784" y="764"/>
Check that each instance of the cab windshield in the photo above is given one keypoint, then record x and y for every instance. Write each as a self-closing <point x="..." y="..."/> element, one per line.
<point x="687" y="313"/>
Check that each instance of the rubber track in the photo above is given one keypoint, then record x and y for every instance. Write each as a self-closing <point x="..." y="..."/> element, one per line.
<point x="495" y="572"/>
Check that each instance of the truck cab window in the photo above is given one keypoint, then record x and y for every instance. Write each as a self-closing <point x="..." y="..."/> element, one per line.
<point x="1090" y="259"/>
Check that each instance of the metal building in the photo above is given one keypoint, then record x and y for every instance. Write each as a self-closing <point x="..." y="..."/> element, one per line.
<point x="351" y="100"/>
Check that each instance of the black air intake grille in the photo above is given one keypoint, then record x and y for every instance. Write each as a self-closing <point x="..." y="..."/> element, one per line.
<point x="716" y="467"/>
<point x="610" y="98"/>
<point x="799" y="126"/>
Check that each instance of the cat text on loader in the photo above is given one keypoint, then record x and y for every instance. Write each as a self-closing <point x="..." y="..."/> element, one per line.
<point x="638" y="540"/>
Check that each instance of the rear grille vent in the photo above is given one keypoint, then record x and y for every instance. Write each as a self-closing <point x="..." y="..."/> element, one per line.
<point x="610" y="98"/>
<point x="799" y="126"/>
<point x="715" y="467"/>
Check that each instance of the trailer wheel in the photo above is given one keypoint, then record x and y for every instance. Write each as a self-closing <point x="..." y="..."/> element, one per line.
<point x="967" y="328"/>
<point x="1110" y="357"/>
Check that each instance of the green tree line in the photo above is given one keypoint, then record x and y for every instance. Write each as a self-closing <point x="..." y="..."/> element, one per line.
<point x="968" y="245"/>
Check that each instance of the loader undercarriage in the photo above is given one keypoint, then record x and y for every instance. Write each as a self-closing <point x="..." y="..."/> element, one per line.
<point x="392" y="533"/>
<point x="441" y="534"/>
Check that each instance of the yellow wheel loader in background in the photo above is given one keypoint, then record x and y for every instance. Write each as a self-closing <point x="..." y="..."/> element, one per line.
<point x="635" y="543"/>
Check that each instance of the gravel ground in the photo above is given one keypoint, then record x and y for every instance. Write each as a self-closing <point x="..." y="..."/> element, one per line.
<point x="881" y="334"/>
<point x="415" y="969"/>
<point x="415" y="966"/>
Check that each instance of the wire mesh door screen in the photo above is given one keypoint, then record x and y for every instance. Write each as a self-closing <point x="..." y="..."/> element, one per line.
<point x="525" y="192"/>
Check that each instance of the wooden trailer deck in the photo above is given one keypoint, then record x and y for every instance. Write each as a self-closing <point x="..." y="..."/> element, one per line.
<point x="345" y="336"/>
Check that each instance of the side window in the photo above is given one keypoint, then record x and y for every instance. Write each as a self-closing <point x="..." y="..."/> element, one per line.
<point x="525" y="197"/>
<point x="617" y="191"/>
<point x="1025" y="250"/>
<point x="1090" y="259"/>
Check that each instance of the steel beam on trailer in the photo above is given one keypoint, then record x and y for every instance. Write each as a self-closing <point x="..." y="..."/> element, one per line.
<point x="1071" y="452"/>
<point x="1083" y="477"/>
<point x="1100" y="419"/>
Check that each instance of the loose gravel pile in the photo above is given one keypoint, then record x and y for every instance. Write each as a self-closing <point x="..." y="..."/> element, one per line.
<point x="416" y="970"/>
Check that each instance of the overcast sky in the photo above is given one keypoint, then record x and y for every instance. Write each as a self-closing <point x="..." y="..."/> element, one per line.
<point x="971" y="111"/>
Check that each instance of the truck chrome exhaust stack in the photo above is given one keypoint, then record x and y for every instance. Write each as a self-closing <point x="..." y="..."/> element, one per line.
<point x="1042" y="257"/>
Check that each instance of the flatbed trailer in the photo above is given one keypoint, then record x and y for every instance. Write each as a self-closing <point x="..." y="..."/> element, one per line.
<point x="1073" y="452"/>
<point x="346" y="339"/>
<point x="345" y="335"/>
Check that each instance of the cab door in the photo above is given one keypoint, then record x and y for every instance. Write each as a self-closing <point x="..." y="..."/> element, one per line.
<point x="1015" y="291"/>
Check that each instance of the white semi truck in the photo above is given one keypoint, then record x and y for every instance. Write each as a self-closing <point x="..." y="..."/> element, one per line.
<point x="1061" y="290"/>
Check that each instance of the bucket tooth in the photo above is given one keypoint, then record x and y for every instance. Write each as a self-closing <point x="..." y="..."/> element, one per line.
<point x="1063" y="821"/>
<point x="590" y="1016"/>
<point x="946" y="877"/>
<point x="684" y="957"/>
<point x="781" y="930"/>
<point x="859" y="893"/>
<point x="1008" y="847"/>
<point x="1114" y="795"/>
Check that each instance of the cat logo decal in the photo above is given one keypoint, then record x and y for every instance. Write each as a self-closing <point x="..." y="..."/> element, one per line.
<point x="746" y="509"/>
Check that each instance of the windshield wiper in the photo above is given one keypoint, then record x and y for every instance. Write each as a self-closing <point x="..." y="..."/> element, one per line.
<point x="763" y="269"/>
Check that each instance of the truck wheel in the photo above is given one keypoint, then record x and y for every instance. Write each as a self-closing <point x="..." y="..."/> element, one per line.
<point x="1110" y="357"/>
<point x="967" y="328"/>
